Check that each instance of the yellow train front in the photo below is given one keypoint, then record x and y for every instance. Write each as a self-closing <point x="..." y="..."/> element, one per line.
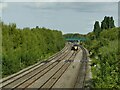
<point x="75" y="47"/>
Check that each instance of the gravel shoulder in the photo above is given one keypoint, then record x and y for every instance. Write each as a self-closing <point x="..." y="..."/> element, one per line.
<point x="89" y="73"/>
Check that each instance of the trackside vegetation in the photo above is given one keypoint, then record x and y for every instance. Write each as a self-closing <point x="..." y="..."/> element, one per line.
<point x="104" y="53"/>
<point x="24" y="47"/>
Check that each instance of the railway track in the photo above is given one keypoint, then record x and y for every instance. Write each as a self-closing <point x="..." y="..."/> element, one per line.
<point x="80" y="82"/>
<point x="43" y="77"/>
<point x="85" y="63"/>
<point x="47" y="73"/>
<point x="8" y="82"/>
<point x="53" y="79"/>
<point x="41" y="72"/>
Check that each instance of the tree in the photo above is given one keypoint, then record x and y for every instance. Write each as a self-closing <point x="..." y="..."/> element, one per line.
<point x="103" y="25"/>
<point x="108" y="22"/>
<point x="111" y="22"/>
<point x="97" y="29"/>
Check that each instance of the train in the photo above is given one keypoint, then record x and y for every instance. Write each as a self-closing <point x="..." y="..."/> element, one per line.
<point x="75" y="47"/>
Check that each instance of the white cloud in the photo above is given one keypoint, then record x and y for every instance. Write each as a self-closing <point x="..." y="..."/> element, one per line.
<point x="76" y="0"/>
<point x="3" y="5"/>
<point x="80" y="7"/>
<point x="61" y="0"/>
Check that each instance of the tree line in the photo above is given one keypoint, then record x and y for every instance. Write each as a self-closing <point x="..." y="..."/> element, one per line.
<point x="73" y="35"/>
<point x="24" y="47"/>
<point x="107" y="23"/>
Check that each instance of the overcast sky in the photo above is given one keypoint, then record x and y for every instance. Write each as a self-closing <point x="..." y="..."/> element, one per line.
<point x="69" y="17"/>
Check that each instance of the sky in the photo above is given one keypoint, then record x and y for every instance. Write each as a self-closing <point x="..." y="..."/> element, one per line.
<point x="70" y="16"/>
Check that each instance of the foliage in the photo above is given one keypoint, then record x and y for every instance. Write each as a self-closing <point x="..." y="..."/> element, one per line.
<point x="24" y="47"/>
<point x="105" y="59"/>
